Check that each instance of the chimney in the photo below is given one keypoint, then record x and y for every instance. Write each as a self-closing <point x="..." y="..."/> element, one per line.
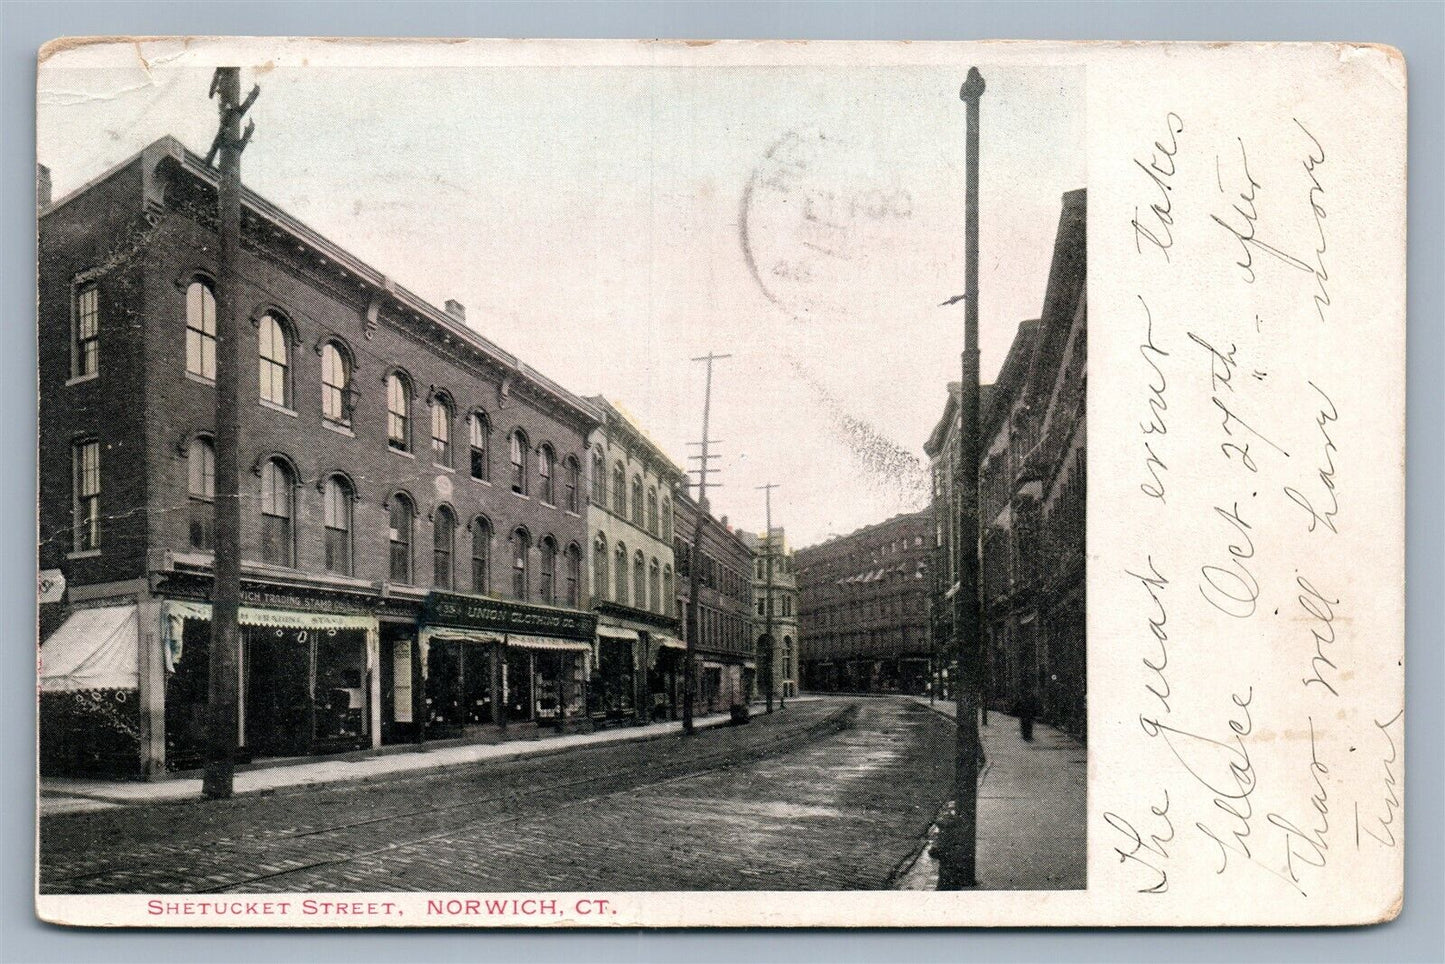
<point x="42" y="187"/>
<point x="457" y="310"/>
<point x="724" y="522"/>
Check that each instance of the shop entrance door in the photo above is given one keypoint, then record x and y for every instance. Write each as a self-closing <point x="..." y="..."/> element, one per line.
<point x="279" y="712"/>
<point x="397" y="674"/>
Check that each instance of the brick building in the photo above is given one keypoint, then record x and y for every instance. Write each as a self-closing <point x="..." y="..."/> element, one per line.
<point x="863" y="609"/>
<point x="638" y="673"/>
<point x="725" y="655"/>
<point x="777" y="608"/>
<point x="413" y="518"/>
<point x="1031" y="501"/>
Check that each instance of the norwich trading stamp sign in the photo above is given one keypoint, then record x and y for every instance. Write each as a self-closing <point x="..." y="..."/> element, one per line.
<point x="938" y="680"/>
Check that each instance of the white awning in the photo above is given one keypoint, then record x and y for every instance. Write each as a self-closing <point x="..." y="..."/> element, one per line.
<point x="617" y="632"/>
<point x="461" y="635"/>
<point x="277" y="618"/>
<point x="94" y="649"/>
<point x="671" y="642"/>
<point x="549" y="642"/>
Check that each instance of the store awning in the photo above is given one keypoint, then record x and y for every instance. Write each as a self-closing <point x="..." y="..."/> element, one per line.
<point x="617" y="632"/>
<point x="94" y="649"/>
<point x="459" y="635"/>
<point x="277" y="618"/>
<point x="671" y="642"/>
<point x="549" y="642"/>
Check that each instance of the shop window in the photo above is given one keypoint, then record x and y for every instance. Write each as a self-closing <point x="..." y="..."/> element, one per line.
<point x="482" y="555"/>
<point x="573" y="564"/>
<point x="201" y="489"/>
<point x="336" y="401"/>
<point x="571" y="480"/>
<point x="277" y="496"/>
<point x="441" y="430"/>
<point x="337" y="496"/>
<point x="85" y="509"/>
<point x="444" y="527"/>
<point x="521" y="548"/>
<point x="547" y="583"/>
<point x="85" y="332"/>
<point x="519" y="447"/>
<point x="275" y="361"/>
<point x="398" y="412"/>
<point x="201" y="330"/>
<point x="546" y="471"/>
<point x="481" y="445"/>
<point x="399" y="534"/>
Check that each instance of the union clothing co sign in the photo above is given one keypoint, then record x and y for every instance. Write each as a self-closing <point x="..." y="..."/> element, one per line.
<point x="473" y="612"/>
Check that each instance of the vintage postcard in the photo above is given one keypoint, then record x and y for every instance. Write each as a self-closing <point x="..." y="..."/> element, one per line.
<point x="626" y="483"/>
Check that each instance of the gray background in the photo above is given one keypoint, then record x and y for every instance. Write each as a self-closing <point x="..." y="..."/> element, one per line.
<point x="1418" y="29"/>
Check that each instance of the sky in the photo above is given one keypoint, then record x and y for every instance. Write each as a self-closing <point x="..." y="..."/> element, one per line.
<point x="607" y="224"/>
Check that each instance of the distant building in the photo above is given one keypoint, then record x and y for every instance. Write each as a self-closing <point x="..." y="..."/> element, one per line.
<point x="1031" y="502"/>
<point x="863" y="609"/>
<point x="638" y="670"/>
<point x="778" y="609"/>
<point x="725" y="653"/>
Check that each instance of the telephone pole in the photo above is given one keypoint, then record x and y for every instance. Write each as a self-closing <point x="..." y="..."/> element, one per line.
<point x="959" y="836"/>
<point x="223" y="722"/>
<point x="767" y="491"/>
<point x="694" y="567"/>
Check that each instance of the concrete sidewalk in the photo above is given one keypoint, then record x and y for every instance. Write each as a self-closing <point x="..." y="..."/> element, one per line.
<point x="1032" y="815"/>
<point x="66" y="795"/>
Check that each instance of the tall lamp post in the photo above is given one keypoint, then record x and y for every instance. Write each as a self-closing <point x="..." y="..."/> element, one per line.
<point x="958" y="837"/>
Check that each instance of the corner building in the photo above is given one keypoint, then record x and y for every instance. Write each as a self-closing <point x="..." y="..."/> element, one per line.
<point x="775" y="607"/>
<point x="413" y="528"/>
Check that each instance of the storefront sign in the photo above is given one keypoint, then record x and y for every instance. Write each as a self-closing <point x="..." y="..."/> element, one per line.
<point x="475" y="612"/>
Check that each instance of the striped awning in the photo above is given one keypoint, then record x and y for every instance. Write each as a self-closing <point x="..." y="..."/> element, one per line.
<point x="617" y="632"/>
<point x="549" y="642"/>
<point x="671" y="642"/>
<point x="94" y="649"/>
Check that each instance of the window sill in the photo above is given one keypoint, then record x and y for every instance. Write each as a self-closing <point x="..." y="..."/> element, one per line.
<point x="444" y="468"/>
<point x="82" y="554"/>
<point x="281" y="409"/>
<point x="402" y="452"/>
<point x="79" y="379"/>
<point x="338" y="428"/>
<point x="485" y="482"/>
<point x="522" y="495"/>
<point x="200" y="379"/>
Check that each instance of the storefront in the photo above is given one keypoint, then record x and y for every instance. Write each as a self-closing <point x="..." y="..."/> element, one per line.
<point x="615" y="682"/>
<point x="90" y="719"/>
<point x="665" y="675"/>
<point x="638" y="667"/>
<point x="487" y="664"/>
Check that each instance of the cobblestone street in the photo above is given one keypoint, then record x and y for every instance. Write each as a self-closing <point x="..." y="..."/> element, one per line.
<point x="826" y="795"/>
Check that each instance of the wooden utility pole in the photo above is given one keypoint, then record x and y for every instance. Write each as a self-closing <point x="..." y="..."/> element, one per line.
<point x="223" y="720"/>
<point x="694" y="562"/>
<point x="767" y="491"/>
<point x="959" y="838"/>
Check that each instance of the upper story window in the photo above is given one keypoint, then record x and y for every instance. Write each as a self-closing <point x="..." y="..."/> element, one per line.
<point x="667" y="594"/>
<point x="85" y="470"/>
<point x="546" y="474"/>
<point x="444" y="529"/>
<point x="571" y="480"/>
<point x="481" y="445"/>
<point x="637" y="519"/>
<point x="398" y="412"/>
<point x="337" y="497"/>
<point x="399" y="536"/>
<point x="519" y="447"/>
<point x="547" y="585"/>
<point x="666" y="519"/>
<point x="85" y="331"/>
<point x="441" y="429"/>
<point x="482" y="555"/>
<point x="277" y="496"/>
<point x="599" y="479"/>
<point x="521" y="548"/>
<point x="787" y="605"/>
<point x="639" y="581"/>
<point x="619" y="490"/>
<point x="335" y="384"/>
<point x="599" y="567"/>
<point x="619" y="575"/>
<point x="654" y="586"/>
<point x="275" y="359"/>
<point x="573" y="563"/>
<point x="201" y="330"/>
<point x="201" y="487"/>
<point x="653" y="523"/>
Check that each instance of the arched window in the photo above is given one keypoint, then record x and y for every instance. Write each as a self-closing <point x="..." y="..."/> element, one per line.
<point x="201" y="329"/>
<point x="599" y="479"/>
<point x="400" y="534"/>
<point x="787" y="605"/>
<point x="639" y="581"/>
<point x="441" y="429"/>
<point x="619" y="490"/>
<point x="519" y="462"/>
<point x="619" y="575"/>
<point x="637" y="519"/>
<point x="276" y="513"/>
<point x="521" y="548"/>
<point x="573" y="562"/>
<point x="547" y="584"/>
<point x="444" y="531"/>
<point x="667" y="594"/>
<point x="654" y="586"/>
<point x="571" y="479"/>
<point x="335" y="384"/>
<point x="275" y="353"/>
<point x="481" y="439"/>
<point x="599" y="568"/>
<point x="666" y="519"/>
<point x="546" y="470"/>
<point x="482" y="555"/>
<point x="398" y="412"/>
<point x="337" y="495"/>
<point x="653" y="523"/>
<point x="201" y="467"/>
